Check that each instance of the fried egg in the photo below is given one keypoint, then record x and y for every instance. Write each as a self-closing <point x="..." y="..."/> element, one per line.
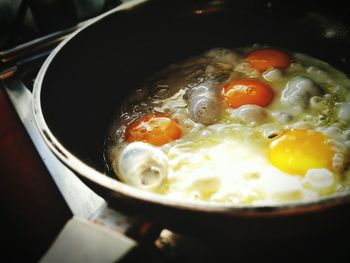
<point x="250" y="126"/>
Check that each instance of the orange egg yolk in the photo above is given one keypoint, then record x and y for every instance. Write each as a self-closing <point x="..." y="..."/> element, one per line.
<point x="266" y="58"/>
<point x="247" y="91"/>
<point x="296" y="151"/>
<point x="156" y="129"/>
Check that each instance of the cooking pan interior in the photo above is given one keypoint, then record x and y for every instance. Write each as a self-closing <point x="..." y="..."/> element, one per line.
<point x="95" y="70"/>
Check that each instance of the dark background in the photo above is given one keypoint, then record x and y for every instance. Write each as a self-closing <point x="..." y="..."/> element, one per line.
<point x="23" y="20"/>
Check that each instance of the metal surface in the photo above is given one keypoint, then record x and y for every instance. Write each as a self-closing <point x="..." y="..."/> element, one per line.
<point x="84" y="241"/>
<point x="82" y="201"/>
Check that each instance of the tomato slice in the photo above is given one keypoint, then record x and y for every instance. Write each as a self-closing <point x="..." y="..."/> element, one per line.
<point x="156" y="129"/>
<point x="266" y="58"/>
<point x="247" y="91"/>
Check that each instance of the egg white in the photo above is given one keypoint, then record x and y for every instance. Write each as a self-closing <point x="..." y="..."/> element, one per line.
<point x="227" y="162"/>
<point x="234" y="170"/>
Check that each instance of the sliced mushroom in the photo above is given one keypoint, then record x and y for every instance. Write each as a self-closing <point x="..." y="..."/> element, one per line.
<point x="299" y="91"/>
<point x="274" y="74"/>
<point x="204" y="104"/>
<point x="251" y="114"/>
<point x="143" y="166"/>
<point x="282" y="117"/>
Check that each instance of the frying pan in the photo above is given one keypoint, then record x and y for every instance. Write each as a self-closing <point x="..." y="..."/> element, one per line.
<point x="85" y="79"/>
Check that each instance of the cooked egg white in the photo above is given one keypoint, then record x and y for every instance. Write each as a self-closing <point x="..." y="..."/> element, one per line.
<point x="229" y="170"/>
<point x="296" y="149"/>
<point x="233" y="168"/>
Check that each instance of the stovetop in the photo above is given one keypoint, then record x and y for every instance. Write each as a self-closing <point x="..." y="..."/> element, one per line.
<point x="73" y="198"/>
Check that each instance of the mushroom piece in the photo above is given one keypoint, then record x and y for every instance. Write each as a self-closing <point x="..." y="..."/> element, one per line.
<point x="143" y="166"/>
<point x="282" y="117"/>
<point x="274" y="74"/>
<point x="299" y="91"/>
<point x="251" y="114"/>
<point x="204" y="104"/>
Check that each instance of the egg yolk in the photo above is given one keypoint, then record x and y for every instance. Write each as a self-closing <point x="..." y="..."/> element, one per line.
<point x="247" y="91"/>
<point x="156" y="129"/>
<point x="296" y="151"/>
<point x="266" y="58"/>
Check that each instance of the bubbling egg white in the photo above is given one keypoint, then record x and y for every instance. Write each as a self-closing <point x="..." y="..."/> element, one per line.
<point x="233" y="168"/>
<point x="295" y="148"/>
<point x="229" y="170"/>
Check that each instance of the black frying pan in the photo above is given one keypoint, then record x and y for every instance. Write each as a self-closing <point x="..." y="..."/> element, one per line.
<point x="85" y="79"/>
